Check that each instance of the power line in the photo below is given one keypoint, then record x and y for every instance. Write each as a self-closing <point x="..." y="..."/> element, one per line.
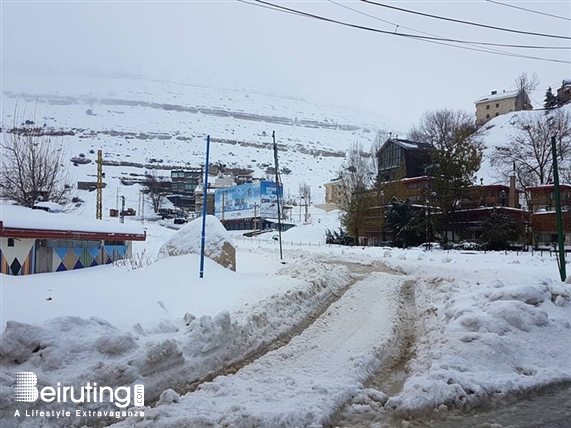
<point x="529" y="10"/>
<point x="475" y="24"/>
<point x="437" y="40"/>
<point x="469" y="42"/>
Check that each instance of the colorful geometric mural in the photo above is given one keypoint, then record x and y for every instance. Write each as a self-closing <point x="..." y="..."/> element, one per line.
<point x="16" y="266"/>
<point x="79" y="258"/>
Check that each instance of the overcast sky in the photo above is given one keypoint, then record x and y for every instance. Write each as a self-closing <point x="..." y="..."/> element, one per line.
<point x="396" y="77"/>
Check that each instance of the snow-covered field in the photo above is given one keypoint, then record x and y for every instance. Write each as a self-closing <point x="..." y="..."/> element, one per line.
<point x="292" y="343"/>
<point x="164" y="124"/>
<point x="271" y="344"/>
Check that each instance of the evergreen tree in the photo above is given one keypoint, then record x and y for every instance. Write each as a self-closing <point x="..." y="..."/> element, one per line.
<point x="550" y="99"/>
<point x="406" y="223"/>
<point x="499" y="228"/>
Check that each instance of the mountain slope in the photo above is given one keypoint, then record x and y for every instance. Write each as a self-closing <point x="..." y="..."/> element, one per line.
<point x="138" y="122"/>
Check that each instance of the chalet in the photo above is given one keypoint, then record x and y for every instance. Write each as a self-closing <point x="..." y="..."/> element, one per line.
<point x="398" y="158"/>
<point x="36" y="241"/>
<point x="497" y="104"/>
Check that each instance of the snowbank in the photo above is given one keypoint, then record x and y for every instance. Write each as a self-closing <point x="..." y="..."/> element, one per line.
<point x="175" y="355"/>
<point x="488" y="344"/>
<point x="218" y="244"/>
<point x="306" y="381"/>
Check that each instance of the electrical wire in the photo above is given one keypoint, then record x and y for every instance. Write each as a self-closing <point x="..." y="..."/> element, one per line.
<point x="529" y="10"/>
<point x="460" y="21"/>
<point x="437" y="40"/>
<point x="469" y="42"/>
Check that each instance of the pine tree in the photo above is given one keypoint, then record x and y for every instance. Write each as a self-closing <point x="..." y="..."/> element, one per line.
<point x="550" y="99"/>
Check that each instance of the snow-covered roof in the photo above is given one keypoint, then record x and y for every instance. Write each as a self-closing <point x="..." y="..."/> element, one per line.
<point x="497" y="96"/>
<point x="548" y="187"/>
<point x="408" y="144"/>
<point x="19" y="221"/>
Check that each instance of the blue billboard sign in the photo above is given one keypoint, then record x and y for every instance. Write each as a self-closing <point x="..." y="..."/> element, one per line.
<point x="258" y="199"/>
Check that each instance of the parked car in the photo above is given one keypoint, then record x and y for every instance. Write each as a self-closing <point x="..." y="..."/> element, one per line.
<point x="467" y="245"/>
<point x="430" y="246"/>
<point x="50" y="207"/>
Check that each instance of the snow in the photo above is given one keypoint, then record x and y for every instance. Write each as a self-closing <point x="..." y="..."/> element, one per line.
<point x="303" y="382"/>
<point x="17" y="217"/>
<point x="494" y="324"/>
<point x="498" y="96"/>
<point x="487" y="325"/>
<point x="52" y="207"/>
<point x="496" y="133"/>
<point x="188" y="239"/>
<point x="137" y="120"/>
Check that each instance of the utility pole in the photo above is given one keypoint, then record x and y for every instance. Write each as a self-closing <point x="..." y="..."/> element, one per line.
<point x="122" y="213"/>
<point x="278" y="193"/>
<point x="99" y="201"/>
<point x="205" y="201"/>
<point x="560" y="234"/>
<point x="223" y="202"/>
<point x="142" y="203"/>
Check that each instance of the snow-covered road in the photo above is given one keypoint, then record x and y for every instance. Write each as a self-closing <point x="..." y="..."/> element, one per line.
<point x="307" y="380"/>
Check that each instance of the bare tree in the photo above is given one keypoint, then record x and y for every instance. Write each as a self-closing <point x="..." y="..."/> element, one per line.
<point x="305" y="195"/>
<point x="528" y="151"/>
<point x="155" y="187"/>
<point x="526" y="83"/>
<point x="32" y="167"/>
<point x="356" y="179"/>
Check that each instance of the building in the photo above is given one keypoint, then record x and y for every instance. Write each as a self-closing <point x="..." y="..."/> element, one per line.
<point x="35" y="241"/>
<point x="398" y="159"/>
<point x="496" y="104"/>
<point x="492" y="195"/>
<point x="544" y="220"/>
<point x="564" y="92"/>
<point x="183" y="184"/>
<point x="333" y="192"/>
<point x="213" y="184"/>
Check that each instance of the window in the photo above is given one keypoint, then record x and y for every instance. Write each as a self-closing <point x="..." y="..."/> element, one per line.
<point x="497" y="114"/>
<point x="390" y="157"/>
<point x="414" y="185"/>
<point x="10" y="242"/>
<point x="487" y="116"/>
<point x="488" y="107"/>
<point x="111" y="242"/>
<point x="497" y="105"/>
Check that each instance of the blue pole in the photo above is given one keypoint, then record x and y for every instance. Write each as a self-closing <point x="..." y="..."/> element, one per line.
<point x="203" y="237"/>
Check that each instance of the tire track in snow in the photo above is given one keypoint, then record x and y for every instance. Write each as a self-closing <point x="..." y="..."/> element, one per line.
<point x="366" y="408"/>
<point x="358" y="271"/>
<point x="307" y="380"/>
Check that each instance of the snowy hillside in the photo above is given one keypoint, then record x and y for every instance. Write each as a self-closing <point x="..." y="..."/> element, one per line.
<point x="150" y="123"/>
<point x="498" y="132"/>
